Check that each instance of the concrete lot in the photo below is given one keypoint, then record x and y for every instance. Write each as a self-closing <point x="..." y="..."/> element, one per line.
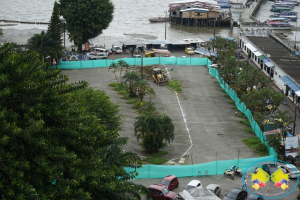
<point x="205" y="123"/>
<point x="206" y="120"/>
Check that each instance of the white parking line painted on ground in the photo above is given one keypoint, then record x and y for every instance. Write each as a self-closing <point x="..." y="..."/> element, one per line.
<point x="184" y="119"/>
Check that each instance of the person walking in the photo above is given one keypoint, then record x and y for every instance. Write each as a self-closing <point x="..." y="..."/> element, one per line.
<point x="244" y="183"/>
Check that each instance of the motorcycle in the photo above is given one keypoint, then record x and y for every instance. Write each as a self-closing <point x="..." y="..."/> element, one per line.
<point x="238" y="172"/>
<point x="229" y="174"/>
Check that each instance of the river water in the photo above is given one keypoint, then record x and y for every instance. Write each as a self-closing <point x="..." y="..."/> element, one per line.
<point x="130" y="22"/>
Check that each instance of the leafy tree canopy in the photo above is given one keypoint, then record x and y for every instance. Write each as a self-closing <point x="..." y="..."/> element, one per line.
<point x="86" y="19"/>
<point x="154" y="129"/>
<point x="53" y="146"/>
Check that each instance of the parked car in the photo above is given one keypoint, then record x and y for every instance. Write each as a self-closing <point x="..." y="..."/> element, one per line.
<point x="291" y="169"/>
<point x="189" y="51"/>
<point x="108" y="52"/>
<point x="236" y="194"/>
<point x="100" y="50"/>
<point x="254" y="197"/>
<point x="193" y="184"/>
<point x="136" y="56"/>
<point x="96" y="56"/>
<point x="116" y="49"/>
<point x="197" y="193"/>
<point x="269" y="168"/>
<point x="214" y="188"/>
<point x="170" y="181"/>
<point x="160" y="192"/>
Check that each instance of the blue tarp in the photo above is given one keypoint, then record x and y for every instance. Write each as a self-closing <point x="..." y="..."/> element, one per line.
<point x="290" y="83"/>
<point x="265" y="60"/>
<point x="205" y="52"/>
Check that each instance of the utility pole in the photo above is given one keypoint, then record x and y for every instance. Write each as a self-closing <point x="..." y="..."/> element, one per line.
<point x="166" y="27"/>
<point x="64" y="34"/>
<point x="295" y="117"/>
<point x="142" y="79"/>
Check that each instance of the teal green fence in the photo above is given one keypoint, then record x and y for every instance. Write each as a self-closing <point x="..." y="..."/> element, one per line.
<point x="132" y="61"/>
<point x="211" y="168"/>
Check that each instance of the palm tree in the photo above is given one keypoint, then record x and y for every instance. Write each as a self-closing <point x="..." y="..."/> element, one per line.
<point x="114" y="67"/>
<point x="153" y="129"/>
<point x="44" y="44"/>
<point x="123" y="67"/>
<point x="283" y="120"/>
<point x="130" y="81"/>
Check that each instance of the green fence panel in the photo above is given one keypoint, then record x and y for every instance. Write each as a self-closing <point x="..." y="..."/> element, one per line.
<point x="168" y="60"/>
<point x="210" y="168"/>
<point x="199" y="61"/>
<point x="134" y="62"/>
<point x="87" y="64"/>
<point x="69" y="65"/>
<point x="183" y="61"/>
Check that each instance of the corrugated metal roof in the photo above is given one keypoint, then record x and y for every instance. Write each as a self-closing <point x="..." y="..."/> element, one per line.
<point x="135" y="42"/>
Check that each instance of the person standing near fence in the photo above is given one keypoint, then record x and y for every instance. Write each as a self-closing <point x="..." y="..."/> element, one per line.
<point x="244" y="183"/>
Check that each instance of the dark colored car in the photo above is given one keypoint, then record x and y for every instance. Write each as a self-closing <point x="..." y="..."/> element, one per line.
<point x="269" y="168"/>
<point x="170" y="181"/>
<point x="236" y="194"/>
<point x="254" y="197"/>
<point x="160" y="192"/>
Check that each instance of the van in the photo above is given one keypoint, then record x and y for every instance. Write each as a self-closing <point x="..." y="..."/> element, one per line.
<point x="100" y="50"/>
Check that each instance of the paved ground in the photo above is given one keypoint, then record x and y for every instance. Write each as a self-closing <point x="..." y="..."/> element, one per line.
<point x="205" y="119"/>
<point x="206" y="113"/>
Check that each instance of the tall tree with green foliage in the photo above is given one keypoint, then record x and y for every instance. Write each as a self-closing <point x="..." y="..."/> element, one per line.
<point x="86" y="19"/>
<point x="45" y="46"/>
<point x="55" y="26"/>
<point x="53" y="146"/>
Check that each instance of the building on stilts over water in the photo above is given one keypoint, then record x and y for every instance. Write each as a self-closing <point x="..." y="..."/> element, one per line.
<point x="202" y="13"/>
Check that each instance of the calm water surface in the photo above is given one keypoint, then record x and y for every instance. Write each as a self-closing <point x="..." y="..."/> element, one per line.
<point x="130" y="22"/>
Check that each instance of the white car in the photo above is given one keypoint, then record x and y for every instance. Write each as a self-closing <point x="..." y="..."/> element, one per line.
<point x="193" y="184"/>
<point x="116" y="49"/>
<point x="289" y="168"/>
<point x="214" y="188"/>
<point x="96" y="56"/>
<point x="198" y="193"/>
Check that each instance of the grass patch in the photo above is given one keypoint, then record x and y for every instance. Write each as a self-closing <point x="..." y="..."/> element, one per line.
<point x="249" y="130"/>
<point x="117" y="86"/>
<point x="246" y="123"/>
<point x="175" y="85"/>
<point x="235" y="108"/>
<point x="241" y="115"/>
<point x="231" y="102"/>
<point x="258" y="147"/>
<point x="156" y="158"/>
<point x="227" y="96"/>
<point x="132" y="101"/>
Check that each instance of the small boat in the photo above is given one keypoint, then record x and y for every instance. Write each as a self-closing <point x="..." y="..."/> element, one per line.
<point x="278" y="19"/>
<point x="224" y="5"/>
<point x="291" y="15"/>
<point x="159" y="19"/>
<point x="280" y="25"/>
<point x="283" y="6"/>
<point x="280" y="9"/>
<point x="287" y="3"/>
